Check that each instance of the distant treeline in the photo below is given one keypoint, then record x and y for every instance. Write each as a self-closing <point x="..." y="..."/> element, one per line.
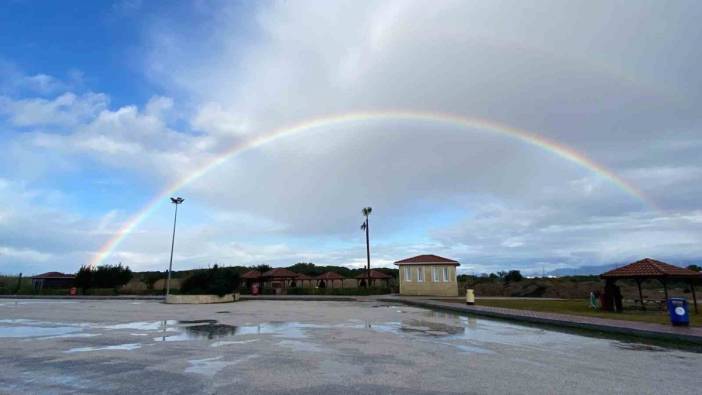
<point x="150" y="277"/>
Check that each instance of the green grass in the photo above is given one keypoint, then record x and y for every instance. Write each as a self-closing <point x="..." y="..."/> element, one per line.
<point x="580" y="307"/>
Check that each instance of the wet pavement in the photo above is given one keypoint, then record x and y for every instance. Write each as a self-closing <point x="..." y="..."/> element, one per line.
<point x="93" y="346"/>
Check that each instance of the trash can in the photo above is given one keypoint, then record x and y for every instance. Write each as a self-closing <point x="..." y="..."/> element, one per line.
<point x="677" y="308"/>
<point x="470" y="296"/>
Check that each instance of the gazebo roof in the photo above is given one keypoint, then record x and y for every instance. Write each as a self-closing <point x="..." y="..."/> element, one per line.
<point x="302" y="276"/>
<point x="650" y="268"/>
<point x="280" y="273"/>
<point x="330" y="276"/>
<point x="375" y="274"/>
<point x="427" y="260"/>
<point x="251" y="274"/>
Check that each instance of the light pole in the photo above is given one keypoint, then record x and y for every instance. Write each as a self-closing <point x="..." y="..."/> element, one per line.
<point x="176" y="201"/>
<point x="365" y="226"/>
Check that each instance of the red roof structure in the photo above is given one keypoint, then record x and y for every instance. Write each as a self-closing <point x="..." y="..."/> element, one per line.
<point x="302" y="276"/>
<point x="651" y="268"/>
<point x="427" y="260"/>
<point x="279" y="273"/>
<point x="251" y="275"/>
<point x="375" y="275"/>
<point x="330" y="276"/>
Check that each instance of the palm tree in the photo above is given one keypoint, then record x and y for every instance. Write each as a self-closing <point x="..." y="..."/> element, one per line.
<point x="366" y="212"/>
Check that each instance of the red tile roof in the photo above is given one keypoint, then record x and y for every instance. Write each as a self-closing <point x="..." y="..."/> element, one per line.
<point x="427" y="259"/>
<point x="279" y="273"/>
<point x="302" y="276"/>
<point x="650" y="268"/>
<point x="251" y="274"/>
<point x="374" y="275"/>
<point x="330" y="276"/>
<point x="53" y="275"/>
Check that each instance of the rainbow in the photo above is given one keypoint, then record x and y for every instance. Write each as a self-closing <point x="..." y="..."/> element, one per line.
<point x="524" y="136"/>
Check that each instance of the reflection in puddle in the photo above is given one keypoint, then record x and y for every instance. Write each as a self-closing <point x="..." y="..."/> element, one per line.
<point x="122" y="347"/>
<point x="230" y="342"/>
<point x="211" y="366"/>
<point x="36" y="331"/>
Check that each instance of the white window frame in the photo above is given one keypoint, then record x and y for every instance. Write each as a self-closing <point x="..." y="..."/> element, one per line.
<point x="445" y="273"/>
<point x="420" y="274"/>
<point x="408" y="274"/>
<point x="435" y="274"/>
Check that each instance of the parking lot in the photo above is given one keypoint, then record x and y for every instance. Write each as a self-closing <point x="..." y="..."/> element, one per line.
<point x="312" y="347"/>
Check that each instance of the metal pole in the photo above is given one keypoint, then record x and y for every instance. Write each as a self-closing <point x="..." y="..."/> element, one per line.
<point x="170" y="264"/>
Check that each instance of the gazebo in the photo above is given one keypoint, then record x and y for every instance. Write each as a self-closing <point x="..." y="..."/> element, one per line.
<point x="251" y="277"/>
<point x="329" y="276"/>
<point x="651" y="269"/>
<point x="374" y="275"/>
<point x="301" y="277"/>
<point x="279" y="277"/>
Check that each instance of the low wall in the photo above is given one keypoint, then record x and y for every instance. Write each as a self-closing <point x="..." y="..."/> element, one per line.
<point x="201" y="299"/>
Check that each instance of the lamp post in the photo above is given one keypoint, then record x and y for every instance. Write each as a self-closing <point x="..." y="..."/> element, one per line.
<point x="365" y="226"/>
<point x="176" y="201"/>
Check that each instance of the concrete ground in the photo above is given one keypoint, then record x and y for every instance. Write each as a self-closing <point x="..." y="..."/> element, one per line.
<point x="280" y="347"/>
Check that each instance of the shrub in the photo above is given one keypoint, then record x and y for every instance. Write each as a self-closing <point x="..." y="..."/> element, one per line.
<point x="217" y="281"/>
<point x="106" y="276"/>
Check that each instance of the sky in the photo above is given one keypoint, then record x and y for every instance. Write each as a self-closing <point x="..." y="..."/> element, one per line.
<point x="537" y="136"/>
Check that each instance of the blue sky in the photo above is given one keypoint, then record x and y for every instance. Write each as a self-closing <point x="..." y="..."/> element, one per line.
<point x="104" y="104"/>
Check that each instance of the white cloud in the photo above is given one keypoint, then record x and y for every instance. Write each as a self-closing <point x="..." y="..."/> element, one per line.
<point x="601" y="89"/>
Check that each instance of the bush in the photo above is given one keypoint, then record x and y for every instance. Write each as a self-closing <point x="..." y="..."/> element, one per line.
<point x="217" y="281"/>
<point x="106" y="276"/>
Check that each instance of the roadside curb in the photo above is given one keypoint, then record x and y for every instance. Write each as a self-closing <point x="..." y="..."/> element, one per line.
<point x="318" y="298"/>
<point x="643" y="330"/>
<point x="85" y="297"/>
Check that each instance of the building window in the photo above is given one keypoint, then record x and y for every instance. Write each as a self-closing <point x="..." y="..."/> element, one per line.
<point x="408" y="274"/>
<point x="446" y="274"/>
<point x="435" y="274"/>
<point x="420" y="274"/>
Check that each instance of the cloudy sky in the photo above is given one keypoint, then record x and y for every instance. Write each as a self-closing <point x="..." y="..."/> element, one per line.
<point x="104" y="106"/>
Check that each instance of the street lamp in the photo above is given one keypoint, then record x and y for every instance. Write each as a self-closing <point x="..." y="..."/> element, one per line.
<point x="176" y="201"/>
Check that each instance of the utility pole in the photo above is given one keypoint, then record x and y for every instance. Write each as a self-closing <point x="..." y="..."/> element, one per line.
<point x="177" y="201"/>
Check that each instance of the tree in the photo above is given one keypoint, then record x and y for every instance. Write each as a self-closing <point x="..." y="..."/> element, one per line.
<point x="365" y="226"/>
<point x="106" y="276"/>
<point x="261" y="268"/>
<point x="695" y="268"/>
<point x="513" y="275"/>
<point x="84" y="278"/>
<point x="218" y="281"/>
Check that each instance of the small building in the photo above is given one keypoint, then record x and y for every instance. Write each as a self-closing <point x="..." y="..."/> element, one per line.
<point x="328" y="279"/>
<point x="375" y="275"/>
<point x="53" y="280"/>
<point x="428" y="275"/>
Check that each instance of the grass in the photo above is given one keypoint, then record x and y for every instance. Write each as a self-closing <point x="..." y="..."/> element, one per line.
<point x="580" y="307"/>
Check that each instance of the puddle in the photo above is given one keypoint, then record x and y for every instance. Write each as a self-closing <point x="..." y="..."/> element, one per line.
<point x="118" y="347"/>
<point x="300" y="346"/>
<point x="637" y="347"/>
<point x="211" y="366"/>
<point x="68" y="335"/>
<point x="36" y="331"/>
<point x="230" y="342"/>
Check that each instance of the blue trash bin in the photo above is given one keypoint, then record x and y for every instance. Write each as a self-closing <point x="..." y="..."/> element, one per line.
<point x="677" y="308"/>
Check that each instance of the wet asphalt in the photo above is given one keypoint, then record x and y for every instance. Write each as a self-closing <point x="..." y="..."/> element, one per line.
<point x="281" y="347"/>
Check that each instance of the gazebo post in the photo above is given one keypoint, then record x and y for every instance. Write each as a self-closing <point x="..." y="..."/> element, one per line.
<point x="638" y="283"/>
<point x="694" y="297"/>
<point x="665" y="290"/>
